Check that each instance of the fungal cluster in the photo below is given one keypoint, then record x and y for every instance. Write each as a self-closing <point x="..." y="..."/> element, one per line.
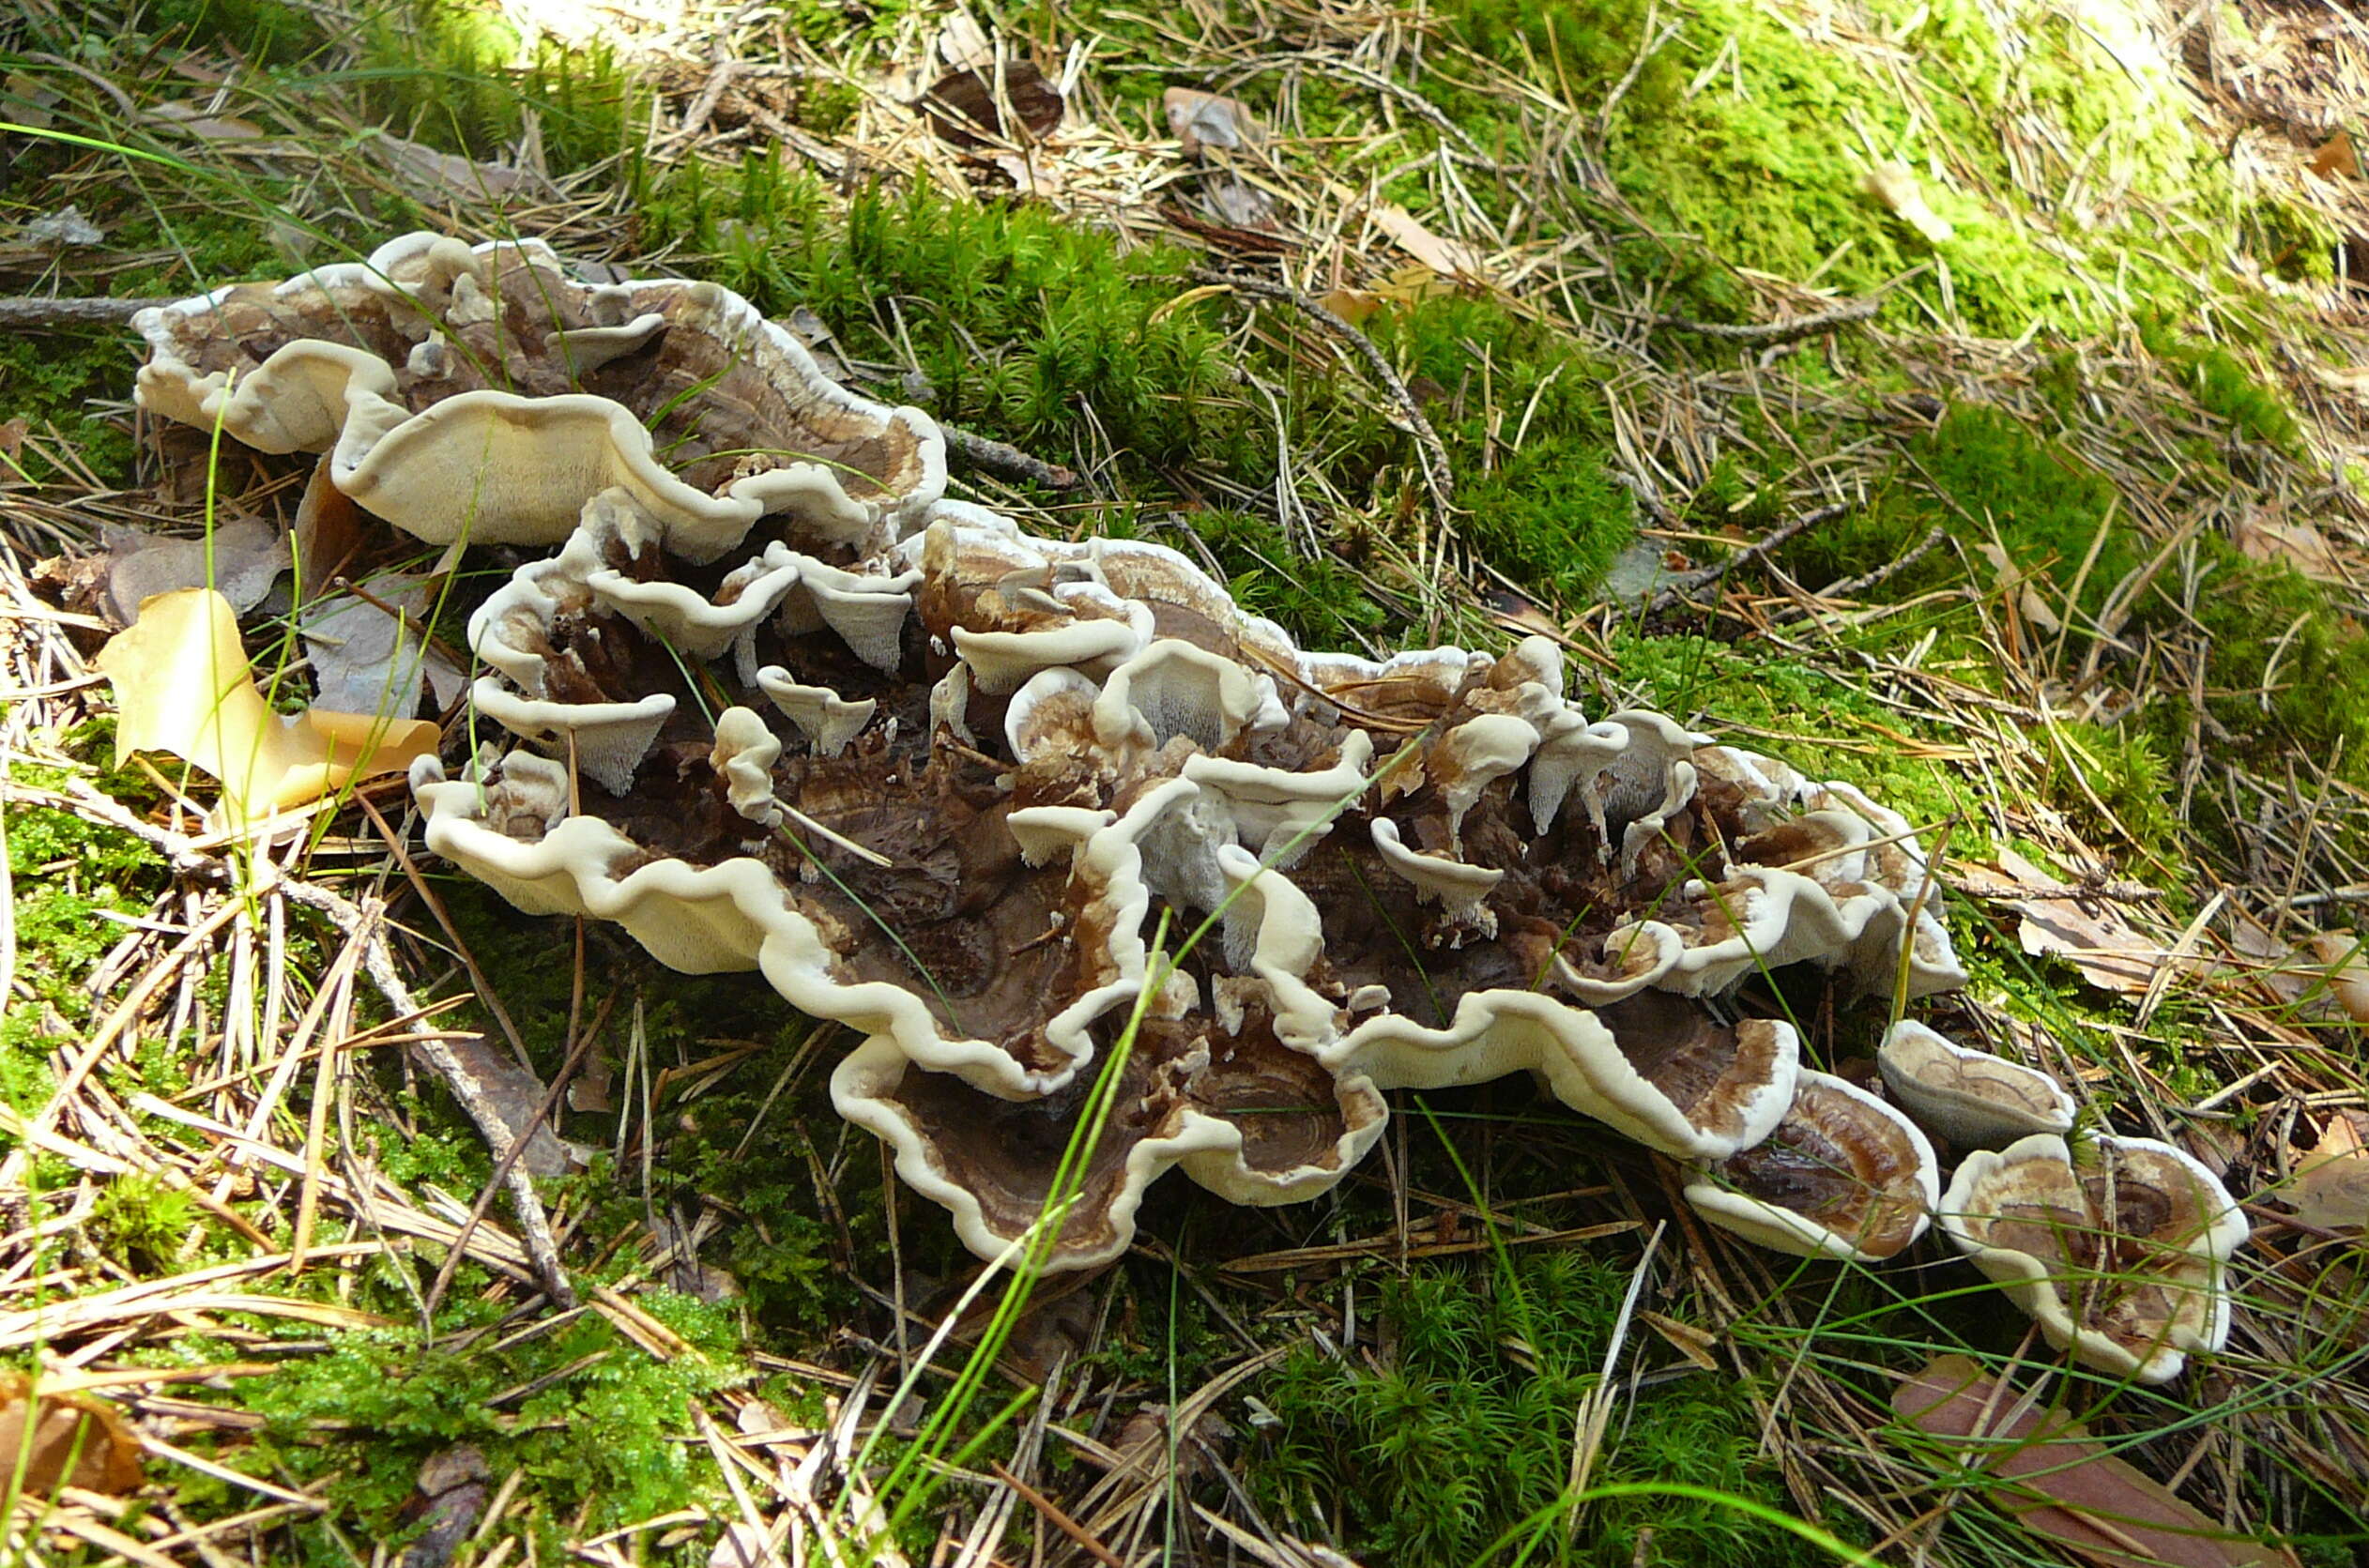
<point x="1034" y="816"/>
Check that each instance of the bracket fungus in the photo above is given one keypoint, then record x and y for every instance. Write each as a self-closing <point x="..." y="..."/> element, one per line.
<point x="2117" y="1253"/>
<point x="1054" y="824"/>
<point x="953" y="818"/>
<point x="1843" y="1175"/>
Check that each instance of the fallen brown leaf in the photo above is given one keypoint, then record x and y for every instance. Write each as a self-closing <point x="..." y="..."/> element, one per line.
<point x="76" y="1440"/>
<point x="2089" y="933"/>
<point x="2300" y="544"/>
<point x="975" y="109"/>
<point x="244" y="557"/>
<point x="2050" y="1476"/>
<point x="1451" y="258"/>
<point x="2336" y="156"/>
<point x="447" y="174"/>
<point x="192" y="120"/>
<point x="2332" y="1182"/>
<point x="368" y="655"/>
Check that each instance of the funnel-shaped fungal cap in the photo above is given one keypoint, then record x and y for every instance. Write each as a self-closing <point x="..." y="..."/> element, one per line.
<point x="1971" y="1098"/>
<point x="1653" y="1068"/>
<point x="2116" y="1254"/>
<point x="1842" y="1175"/>
<point x="483" y="394"/>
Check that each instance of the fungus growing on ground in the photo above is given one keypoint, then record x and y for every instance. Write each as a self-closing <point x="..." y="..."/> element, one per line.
<point x="1053" y="824"/>
<point x="1972" y="1098"/>
<point x="484" y="395"/>
<point x="2117" y="1253"/>
<point x="1844" y="1175"/>
<point x="987" y="788"/>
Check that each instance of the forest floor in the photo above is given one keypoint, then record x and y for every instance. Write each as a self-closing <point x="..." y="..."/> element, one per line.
<point x="1965" y="400"/>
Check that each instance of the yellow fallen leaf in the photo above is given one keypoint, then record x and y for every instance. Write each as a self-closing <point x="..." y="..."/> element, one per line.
<point x="183" y="685"/>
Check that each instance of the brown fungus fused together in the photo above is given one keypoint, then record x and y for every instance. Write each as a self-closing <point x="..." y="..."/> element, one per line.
<point x="1019" y="810"/>
<point x="957" y="783"/>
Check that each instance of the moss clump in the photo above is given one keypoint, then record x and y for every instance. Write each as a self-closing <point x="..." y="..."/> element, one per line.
<point x="268" y="32"/>
<point x="68" y="876"/>
<point x="607" y="1435"/>
<point x="1522" y="419"/>
<point x="2225" y="387"/>
<point x="1755" y="138"/>
<point x="50" y="379"/>
<point x="1760" y="703"/>
<point x="1460" y="1439"/>
<point x="1017" y="321"/>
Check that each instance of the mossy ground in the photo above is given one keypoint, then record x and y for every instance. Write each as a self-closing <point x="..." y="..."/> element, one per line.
<point x="1445" y="1423"/>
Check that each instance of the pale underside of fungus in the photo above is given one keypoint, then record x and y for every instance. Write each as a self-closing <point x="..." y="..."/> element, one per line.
<point x="1028" y="814"/>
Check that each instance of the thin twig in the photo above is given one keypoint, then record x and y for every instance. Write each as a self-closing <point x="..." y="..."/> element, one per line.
<point x="1763" y="334"/>
<point x="505" y="1169"/>
<point x="1680" y="586"/>
<point x="1007" y="461"/>
<point x="1890" y="568"/>
<point x="1436" y="473"/>
<point x="363" y="924"/>
<point x="37" y="312"/>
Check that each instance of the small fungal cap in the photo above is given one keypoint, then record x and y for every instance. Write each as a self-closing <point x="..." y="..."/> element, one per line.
<point x="2118" y="1256"/>
<point x="1971" y="1098"/>
<point x="1843" y="1175"/>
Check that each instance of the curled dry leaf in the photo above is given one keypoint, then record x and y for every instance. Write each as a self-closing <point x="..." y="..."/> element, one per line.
<point x="1894" y="184"/>
<point x="75" y="1440"/>
<point x="2347" y="972"/>
<point x="183" y="685"/>
<point x="243" y="560"/>
<point x="2019" y="585"/>
<point x="1451" y="258"/>
<point x="368" y="655"/>
<point x="446" y="176"/>
<point x="2061" y="1485"/>
<point x="2298" y="543"/>
<point x="59" y="229"/>
<point x="2332" y="1182"/>
<point x="1202" y="120"/>
<point x="2090" y="934"/>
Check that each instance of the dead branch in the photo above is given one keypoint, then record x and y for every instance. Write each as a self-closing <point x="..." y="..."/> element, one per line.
<point x="1437" y="476"/>
<point x="1683" y="584"/>
<point x="1007" y="461"/>
<point x="1890" y="568"/>
<point x="1765" y="334"/>
<point x="363" y="924"/>
<point x="37" y="312"/>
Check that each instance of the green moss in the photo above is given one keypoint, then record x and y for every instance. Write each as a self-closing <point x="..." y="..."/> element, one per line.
<point x="1754" y="138"/>
<point x="1800" y="715"/>
<point x="1459" y="1435"/>
<point x="143" y="1224"/>
<point x="266" y="31"/>
<point x="2225" y="386"/>
<point x="611" y="1434"/>
<point x="68" y="876"/>
<point x="50" y="379"/>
